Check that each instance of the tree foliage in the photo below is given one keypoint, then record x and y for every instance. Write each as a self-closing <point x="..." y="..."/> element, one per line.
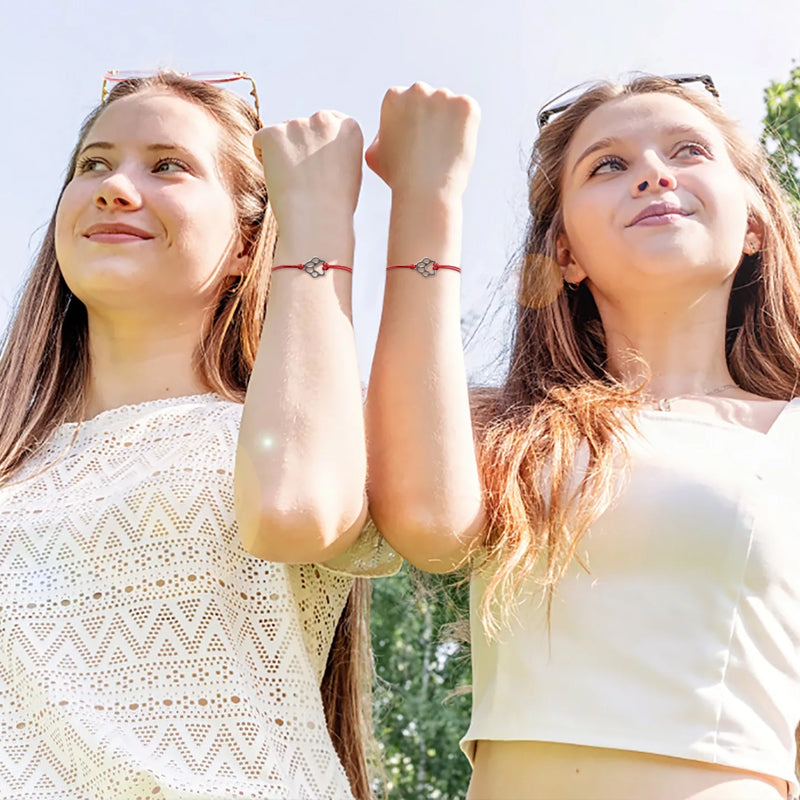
<point x="781" y="136"/>
<point x="419" y="712"/>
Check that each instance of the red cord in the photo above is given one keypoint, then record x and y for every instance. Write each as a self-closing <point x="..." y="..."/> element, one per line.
<point x="426" y="266"/>
<point x="323" y="265"/>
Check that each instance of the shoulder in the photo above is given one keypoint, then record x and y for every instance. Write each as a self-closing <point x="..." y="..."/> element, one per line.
<point x="185" y="432"/>
<point x="197" y="415"/>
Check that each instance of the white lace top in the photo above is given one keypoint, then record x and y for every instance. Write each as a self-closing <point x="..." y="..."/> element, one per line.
<point x="143" y="652"/>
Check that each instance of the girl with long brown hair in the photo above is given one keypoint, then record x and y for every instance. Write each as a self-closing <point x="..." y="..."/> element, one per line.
<point x="180" y="617"/>
<point x="631" y="516"/>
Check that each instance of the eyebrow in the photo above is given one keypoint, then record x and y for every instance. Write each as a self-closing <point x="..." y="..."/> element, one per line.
<point x="150" y="148"/>
<point x="603" y="144"/>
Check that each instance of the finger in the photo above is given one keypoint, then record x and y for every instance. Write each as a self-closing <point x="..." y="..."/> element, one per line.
<point x="392" y="93"/>
<point x="420" y="87"/>
<point x="331" y="112"/>
<point x="371" y="155"/>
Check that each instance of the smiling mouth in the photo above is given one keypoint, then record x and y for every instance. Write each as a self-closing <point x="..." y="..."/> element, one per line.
<point x="116" y="238"/>
<point x="116" y="234"/>
<point x="658" y="219"/>
<point x="658" y="214"/>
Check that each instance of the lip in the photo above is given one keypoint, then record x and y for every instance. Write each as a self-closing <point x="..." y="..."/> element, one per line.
<point x="110" y="232"/>
<point x="662" y="211"/>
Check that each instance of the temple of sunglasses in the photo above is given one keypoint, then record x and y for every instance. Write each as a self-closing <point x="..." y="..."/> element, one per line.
<point x="558" y="105"/>
<point x="117" y="76"/>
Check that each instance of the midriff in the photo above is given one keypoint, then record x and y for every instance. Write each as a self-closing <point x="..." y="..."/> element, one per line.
<point x="523" y="770"/>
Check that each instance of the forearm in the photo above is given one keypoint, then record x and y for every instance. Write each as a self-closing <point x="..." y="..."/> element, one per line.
<point x="425" y="491"/>
<point x="301" y="462"/>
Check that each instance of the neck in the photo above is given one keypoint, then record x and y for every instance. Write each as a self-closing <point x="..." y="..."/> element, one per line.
<point x="133" y="361"/>
<point x="676" y="348"/>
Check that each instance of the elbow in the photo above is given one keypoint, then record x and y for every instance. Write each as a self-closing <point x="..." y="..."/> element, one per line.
<point x="295" y="522"/>
<point x="436" y="543"/>
<point x="296" y="534"/>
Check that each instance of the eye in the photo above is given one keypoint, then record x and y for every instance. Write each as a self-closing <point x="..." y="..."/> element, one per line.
<point x="171" y="165"/>
<point x="693" y="149"/>
<point x="91" y="164"/>
<point x="607" y="164"/>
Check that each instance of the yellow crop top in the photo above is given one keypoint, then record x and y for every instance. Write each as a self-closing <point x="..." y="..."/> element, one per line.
<point x="683" y="639"/>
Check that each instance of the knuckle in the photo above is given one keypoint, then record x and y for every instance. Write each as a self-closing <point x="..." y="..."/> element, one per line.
<point x="351" y="126"/>
<point x="468" y="104"/>
<point x="269" y="134"/>
<point x="393" y="92"/>
<point x="326" y="119"/>
<point x="293" y="125"/>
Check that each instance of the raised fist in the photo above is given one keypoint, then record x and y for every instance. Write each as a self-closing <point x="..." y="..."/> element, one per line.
<point x="426" y="140"/>
<point x="312" y="164"/>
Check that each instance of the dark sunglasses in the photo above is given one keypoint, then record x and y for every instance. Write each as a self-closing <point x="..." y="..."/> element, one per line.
<point x="566" y="99"/>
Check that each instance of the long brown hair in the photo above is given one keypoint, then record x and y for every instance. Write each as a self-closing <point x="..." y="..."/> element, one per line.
<point x="558" y="395"/>
<point x="44" y="365"/>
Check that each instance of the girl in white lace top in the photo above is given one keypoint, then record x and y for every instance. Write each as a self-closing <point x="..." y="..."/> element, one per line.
<point x="179" y="613"/>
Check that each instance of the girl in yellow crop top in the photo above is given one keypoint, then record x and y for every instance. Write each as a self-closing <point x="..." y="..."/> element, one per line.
<point x="630" y="517"/>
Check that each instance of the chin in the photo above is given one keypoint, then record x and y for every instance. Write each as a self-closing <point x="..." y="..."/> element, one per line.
<point x="112" y="277"/>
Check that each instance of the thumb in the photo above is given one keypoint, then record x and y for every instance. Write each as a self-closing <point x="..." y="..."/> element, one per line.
<point x="371" y="155"/>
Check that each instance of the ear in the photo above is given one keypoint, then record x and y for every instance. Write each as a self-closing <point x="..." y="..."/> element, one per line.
<point x="754" y="238"/>
<point x="571" y="270"/>
<point x="237" y="260"/>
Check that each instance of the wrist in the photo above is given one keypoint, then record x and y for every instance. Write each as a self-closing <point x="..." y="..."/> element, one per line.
<point x="296" y="256"/>
<point x="438" y="197"/>
<point x="316" y="234"/>
<point x="425" y="227"/>
<point x="293" y="210"/>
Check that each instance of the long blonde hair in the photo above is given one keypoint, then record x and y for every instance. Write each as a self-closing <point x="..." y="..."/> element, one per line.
<point x="558" y="395"/>
<point x="45" y="365"/>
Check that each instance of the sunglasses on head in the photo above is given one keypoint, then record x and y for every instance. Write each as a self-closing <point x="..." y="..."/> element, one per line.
<point x="117" y="76"/>
<point x="566" y="99"/>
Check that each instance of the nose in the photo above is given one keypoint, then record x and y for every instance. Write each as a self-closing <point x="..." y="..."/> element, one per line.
<point x="654" y="175"/>
<point x="117" y="191"/>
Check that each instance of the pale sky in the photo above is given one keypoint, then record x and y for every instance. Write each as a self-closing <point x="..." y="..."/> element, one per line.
<point x="510" y="55"/>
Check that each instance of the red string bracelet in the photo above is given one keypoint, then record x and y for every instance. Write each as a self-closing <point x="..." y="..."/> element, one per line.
<point x="426" y="267"/>
<point x="315" y="267"/>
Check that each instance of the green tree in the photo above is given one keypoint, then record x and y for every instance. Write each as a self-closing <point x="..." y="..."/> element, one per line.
<point x="781" y="136"/>
<point x="419" y="712"/>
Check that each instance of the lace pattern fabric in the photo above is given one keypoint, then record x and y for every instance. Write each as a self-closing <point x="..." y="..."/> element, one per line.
<point x="143" y="652"/>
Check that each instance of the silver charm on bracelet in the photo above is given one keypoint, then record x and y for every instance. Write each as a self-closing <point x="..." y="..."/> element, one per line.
<point x="426" y="267"/>
<point x="315" y="267"/>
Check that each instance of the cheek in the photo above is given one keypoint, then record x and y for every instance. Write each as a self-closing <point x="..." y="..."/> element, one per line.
<point x="589" y="225"/>
<point x="732" y="211"/>
<point x="66" y="219"/>
<point x="203" y="234"/>
<point x="206" y="218"/>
